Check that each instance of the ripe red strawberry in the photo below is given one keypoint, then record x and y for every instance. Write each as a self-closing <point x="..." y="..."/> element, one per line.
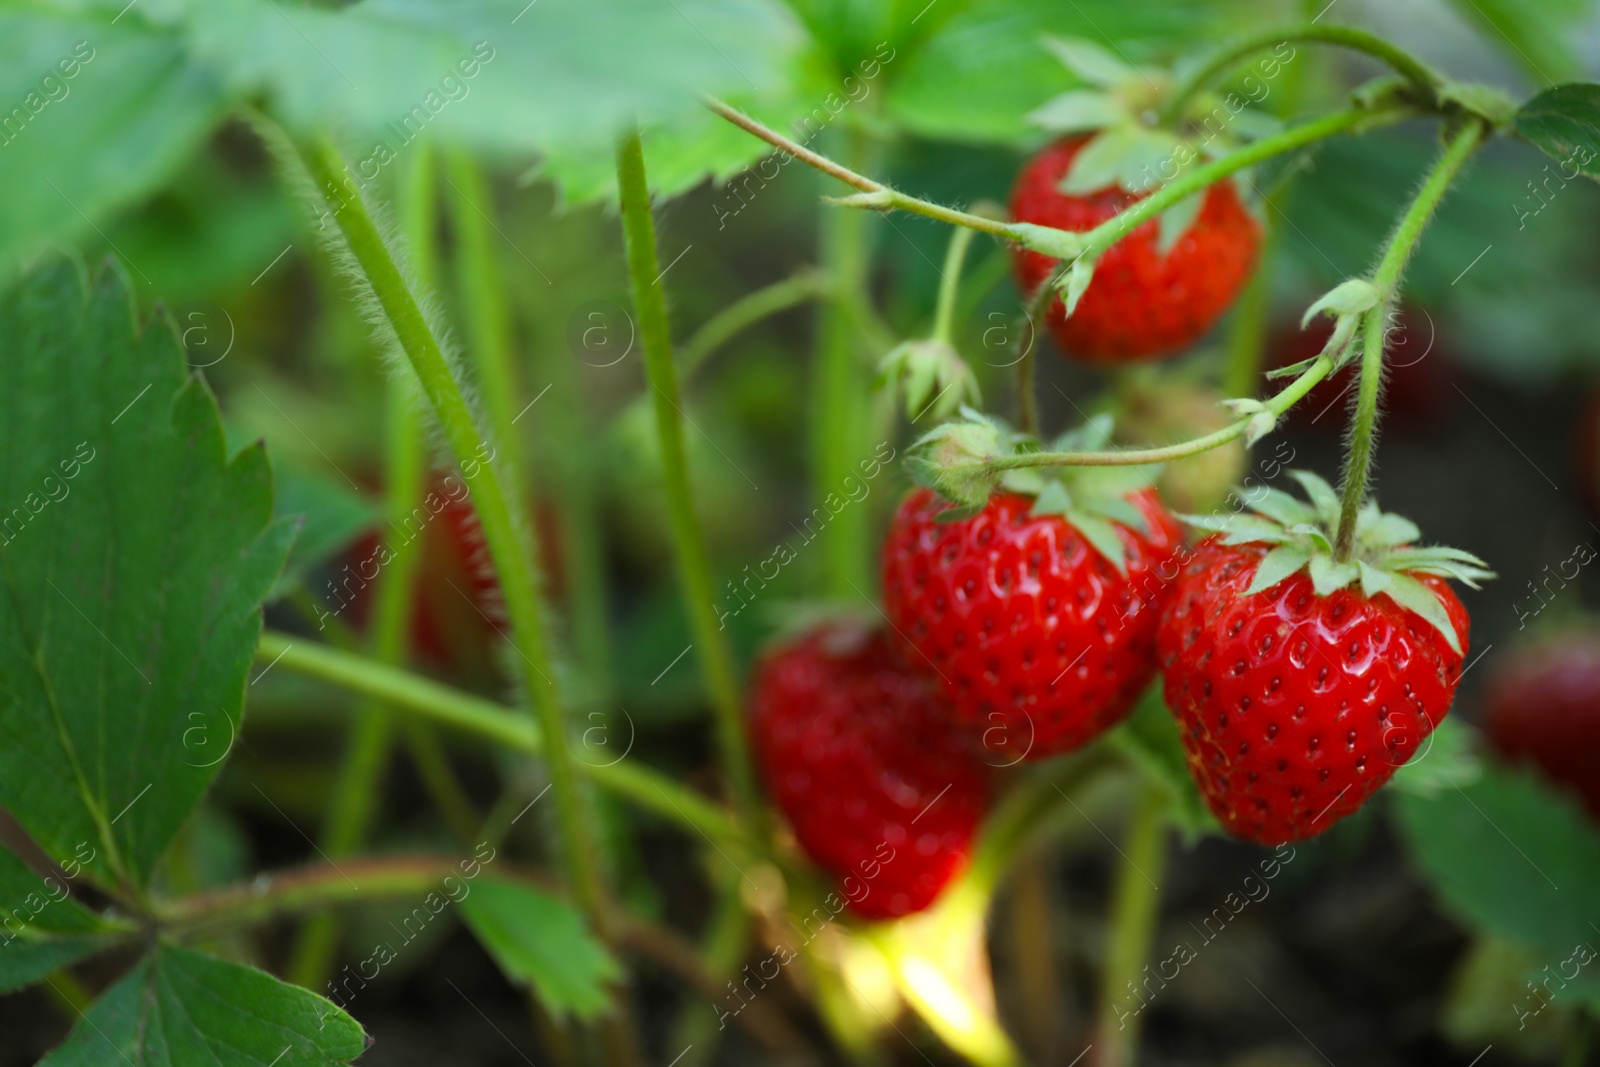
<point x="861" y="757"/>
<point x="1544" y="709"/>
<point x="1041" y="636"/>
<point x="1141" y="303"/>
<point x="1299" y="694"/>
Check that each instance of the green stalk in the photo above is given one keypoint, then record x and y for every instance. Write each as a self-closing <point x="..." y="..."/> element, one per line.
<point x="745" y="312"/>
<point x="480" y="288"/>
<point x="358" y="784"/>
<point x="1278" y="404"/>
<point x="510" y="542"/>
<point x="493" y="722"/>
<point x="1247" y="334"/>
<point x="1358" y="458"/>
<point x="944" y="309"/>
<point x="1135" y="909"/>
<point x="694" y="564"/>
<point x="841" y="395"/>
<point x="722" y="948"/>
<point x="1419" y="74"/>
<point x="1064" y="244"/>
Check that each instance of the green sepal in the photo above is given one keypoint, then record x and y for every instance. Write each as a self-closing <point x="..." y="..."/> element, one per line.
<point x="1384" y="561"/>
<point x="1277" y="565"/>
<point x="1416" y="597"/>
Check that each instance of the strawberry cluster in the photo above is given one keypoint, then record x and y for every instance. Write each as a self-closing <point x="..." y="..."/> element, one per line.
<point x="1028" y="624"/>
<point x="1029" y="607"/>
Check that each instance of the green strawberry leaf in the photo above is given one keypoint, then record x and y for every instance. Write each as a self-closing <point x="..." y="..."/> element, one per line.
<point x="331" y="516"/>
<point x="1100" y="162"/>
<point x="1321" y="495"/>
<point x="541" y="939"/>
<point x="182" y="1007"/>
<point x="1564" y="122"/>
<point x="41" y="927"/>
<point x="1447" y="760"/>
<point x="137" y="554"/>
<point x="96" y="117"/>
<point x="1511" y="856"/>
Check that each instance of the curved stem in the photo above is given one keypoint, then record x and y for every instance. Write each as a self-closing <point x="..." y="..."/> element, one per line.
<point x="358" y="783"/>
<point x="944" y="309"/>
<point x="1119" y="226"/>
<point x="694" y="564"/>
<point x="1133" y="457"/>
<point x="1065" y="244"/>
<point x="510" y="542"/>
<point x="745" y="312"/>
<point x="1358" y="460"/>
<point x="883" y="196"/>
<point x="493" y="722"/>
<point x="1225" y="58"/>
<point x="1135" y="909"/>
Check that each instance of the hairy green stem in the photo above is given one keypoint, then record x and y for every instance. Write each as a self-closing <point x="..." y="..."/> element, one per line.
<point x="1230" y="54"/>
<point x="1135" y="909"/>
<point x="1358" y="458"/>
<point x="358" y="784"/>
<point x="480" y="289"/>
<point x="803" y="285"/>
<point x="510" y="542"/>
<point x="944" y="309"/>
<point x="1132" y="457"/>
<point x="714" y="652"/>
<point x="1064" y="244"/>
<point x="493" y="722"/>
<point x="841" y="390"/>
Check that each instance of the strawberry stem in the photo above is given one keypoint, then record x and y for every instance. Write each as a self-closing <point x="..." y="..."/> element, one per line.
<point x="498" y="724"/>
<point x="511" y="543"/>
<point x="1062" y="244"/>
<point x="1358" y="458"/>
<point x="944" y="310"/>
<point x="1419" y="74"/>
<point x="769" y="300"/>
<point x="1135" y="908"/>
<point x="694" y="562"/>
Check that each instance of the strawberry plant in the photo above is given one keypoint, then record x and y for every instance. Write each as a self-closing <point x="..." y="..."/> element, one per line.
<point x="456" y="608"/>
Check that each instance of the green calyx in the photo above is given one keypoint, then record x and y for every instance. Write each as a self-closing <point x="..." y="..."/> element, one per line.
<point x="1127" y="148"/>
<point x="932" y="377"/>
<point x="957" y="460"/>
<point x="1385" y="558"/>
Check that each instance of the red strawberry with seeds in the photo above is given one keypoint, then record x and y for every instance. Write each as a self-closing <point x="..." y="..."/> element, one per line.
<point x="1145" y="300"/>
<point x="861" y="757"/>
<point x="1300" y="683"/>
<point x="1544" y="709"/>
<point x="1037" y="611"/>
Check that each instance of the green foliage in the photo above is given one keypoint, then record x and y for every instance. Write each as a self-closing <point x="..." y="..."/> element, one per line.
<point x="136" y="563"/>
<point x="541" y="939"/>
<point x="1512" y="857"/>
<point x="132" y="110"/>
<point x="1564" y="123"/>
<point x="179" y="1007"/>
<point x="331" y="514"/>
<point x="41" y="926"/>
<point x="1149" y="737"/>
